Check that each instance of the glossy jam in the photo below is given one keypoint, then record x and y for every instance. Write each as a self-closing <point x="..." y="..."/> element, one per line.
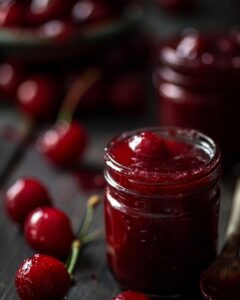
<point x="198" y="85"/>
<point x="161" y="209"/>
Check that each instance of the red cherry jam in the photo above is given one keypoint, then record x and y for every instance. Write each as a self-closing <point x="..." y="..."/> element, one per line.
<point x="161" y="209"/>
<point x="198" y="84"/>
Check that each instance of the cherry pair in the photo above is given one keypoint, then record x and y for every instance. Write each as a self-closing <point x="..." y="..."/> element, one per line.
<point x="46" y="229"/>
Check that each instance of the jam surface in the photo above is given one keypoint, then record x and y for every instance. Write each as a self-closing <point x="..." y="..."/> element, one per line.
<point x="152" y="152"/>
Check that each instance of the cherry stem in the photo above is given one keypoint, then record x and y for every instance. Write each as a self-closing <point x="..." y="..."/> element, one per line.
<point x="83" y="237"/>
<point x="77" y="90"/>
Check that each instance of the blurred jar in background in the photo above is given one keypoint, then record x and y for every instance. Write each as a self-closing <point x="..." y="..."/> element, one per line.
<point x="198" y="85"/>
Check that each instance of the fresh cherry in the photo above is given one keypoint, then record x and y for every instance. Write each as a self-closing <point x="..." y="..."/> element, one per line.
<point x="37" y="96"/>
<point x="130" y="295"/>
<point x="90" y="11"/>
<point x="63" y="144"/>
<point x="48" y="231"/>
<point x="128" y="92"/>
<point x="11" y="75"/>
<point x="41" y="11"/>
<point x="12" y="14"/>
<point x="42" y="278"/>
<point x="24" y="196"/>
<point x="148" y="144"/>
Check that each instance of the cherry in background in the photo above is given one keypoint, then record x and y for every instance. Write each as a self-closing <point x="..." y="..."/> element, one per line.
<point x="24" y="196"/>
<point x="90" y="11"/>
<point x="11" y="74"/>
<point x="38" y="95"/>
<point x="63" y="144"/>
<point x="42" y="278"/>
<point x="41" y="11"/>
<point x="48" y="231"/>
<point x="12" y="13"/>
<point x="59" y="30"/>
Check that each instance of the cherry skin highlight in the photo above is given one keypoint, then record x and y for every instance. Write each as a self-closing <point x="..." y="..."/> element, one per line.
<point x="11" y="75"/>
<point x="12" y="14"/>
<point x="37" y="96"/>
<point x="24" y="196"/>
<point x="90" y="11"/>
<point x="129" y="295"/>
<point x="48" y="231"/>
<point x="41" y="11"/>
<point x="59" y="30"/>
<point x="63" y="144"/>
<point x="42" y="277"/>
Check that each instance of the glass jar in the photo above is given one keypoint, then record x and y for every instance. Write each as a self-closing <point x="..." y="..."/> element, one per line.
<point x="197" y="82"/>
<point x="162" y="226"/>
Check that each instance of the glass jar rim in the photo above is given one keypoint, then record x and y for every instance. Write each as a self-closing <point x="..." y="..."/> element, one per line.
<point x="174" y="177"/>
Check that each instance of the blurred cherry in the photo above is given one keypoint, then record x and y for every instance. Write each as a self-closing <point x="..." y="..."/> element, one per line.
<point x="12" y="14"/>
<point x="64" y="143"/>
<point x="11" y="74"/>
<point x="38" y="95"/>
<point x="90" y="11"/>
<point x="41" y="11"/>
<point x="57" y="29"/>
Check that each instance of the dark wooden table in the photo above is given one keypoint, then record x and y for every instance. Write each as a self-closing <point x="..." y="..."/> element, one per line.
<point x="93" y="280"/>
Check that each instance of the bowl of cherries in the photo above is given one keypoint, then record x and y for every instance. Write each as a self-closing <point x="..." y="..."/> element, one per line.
<point x="50" y="25"/>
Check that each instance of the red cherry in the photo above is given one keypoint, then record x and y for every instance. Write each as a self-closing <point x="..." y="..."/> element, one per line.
<point x="24" y="196"/>
<point x="128" y="92"/>
<point x="12" y="14"/>
<point x="90" y="11"/>
<point x="41" y="11"/>
<point x="149" y="144"/>
<point x="42" y="278"/>
<point x="11" y="75"/>
<point x="37" y="96"/>
<point x="63" y="144"/>
<point x="48" y="231"/>
<point x="129" y="295"/>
